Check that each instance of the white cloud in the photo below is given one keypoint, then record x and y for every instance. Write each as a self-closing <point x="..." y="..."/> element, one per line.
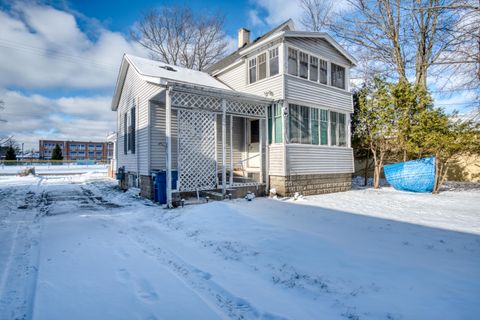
<point x="254" y="18"/>
<point x="274" y="12"/>
<point x="34" y="117"/>
<point x="42" y="47"/>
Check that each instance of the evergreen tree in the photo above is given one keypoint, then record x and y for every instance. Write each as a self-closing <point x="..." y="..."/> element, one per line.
<point x="57" y="153"/>
<point x="436" y="134"/>
<point x="10" y="154"/>
<point x="375" y="123"/>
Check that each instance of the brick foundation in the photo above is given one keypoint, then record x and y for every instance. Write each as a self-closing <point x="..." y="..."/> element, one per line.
<point x="146" y="187"/>
<point x="311" y="184"/>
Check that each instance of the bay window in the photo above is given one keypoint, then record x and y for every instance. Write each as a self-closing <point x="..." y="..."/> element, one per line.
<point x="292" y="61"/>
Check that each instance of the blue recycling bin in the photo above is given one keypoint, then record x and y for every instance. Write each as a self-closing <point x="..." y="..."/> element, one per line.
<point x="160" y="186"/>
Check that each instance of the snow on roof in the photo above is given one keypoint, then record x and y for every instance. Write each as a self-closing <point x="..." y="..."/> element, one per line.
<point x="160" y="70"/>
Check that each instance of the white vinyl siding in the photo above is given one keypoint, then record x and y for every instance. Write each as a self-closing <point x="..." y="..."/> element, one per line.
<point x="135" y="90"/>
<point x="276" y="158"/>
<point x="313" y="159"/>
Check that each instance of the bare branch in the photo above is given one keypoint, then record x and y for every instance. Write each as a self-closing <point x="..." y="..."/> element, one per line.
<point x="176" y="36"/>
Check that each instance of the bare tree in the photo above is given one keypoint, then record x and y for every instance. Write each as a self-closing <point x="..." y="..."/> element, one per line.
<point x="407" y="36"/>
<point x="461" y="60"/>
<point x="317" y="14"/>
<point x="175" y="35"/>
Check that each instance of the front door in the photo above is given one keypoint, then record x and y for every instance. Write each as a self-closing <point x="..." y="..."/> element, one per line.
<point x="253" y="141"/>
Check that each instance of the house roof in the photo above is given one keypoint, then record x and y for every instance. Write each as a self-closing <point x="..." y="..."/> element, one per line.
<point x="285" y="29"/>
<point x="160" y="73"/>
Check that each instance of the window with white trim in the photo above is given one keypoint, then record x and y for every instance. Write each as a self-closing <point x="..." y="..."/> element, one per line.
<point x="313" y="68"/>
<point x="323" y="71"/>
<point x="252" y="70"/>
<point x="262" y="66"/>
<point x="303" y="71"/>
<point x="292" y="61"/>
<point x="309" y="125"/>
<point x="338" y="76"/>
<point x="273" y="60"/>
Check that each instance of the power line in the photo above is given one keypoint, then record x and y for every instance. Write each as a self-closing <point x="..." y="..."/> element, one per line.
<point x="57" y="54"/>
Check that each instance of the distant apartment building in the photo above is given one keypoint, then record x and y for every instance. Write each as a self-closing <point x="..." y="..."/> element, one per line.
<point x="77" y="150"/>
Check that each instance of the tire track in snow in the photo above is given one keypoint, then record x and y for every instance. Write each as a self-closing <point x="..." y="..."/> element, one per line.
<point x="18" y="282"/>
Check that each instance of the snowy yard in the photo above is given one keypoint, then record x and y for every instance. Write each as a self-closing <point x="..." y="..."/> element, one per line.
<point x="74" y="247"/>
<point x="66" y="168"/>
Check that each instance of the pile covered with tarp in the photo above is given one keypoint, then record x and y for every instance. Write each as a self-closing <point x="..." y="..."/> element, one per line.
<point x="415" y="175"/>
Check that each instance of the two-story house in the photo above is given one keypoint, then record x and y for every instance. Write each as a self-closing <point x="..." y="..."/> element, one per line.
<point x="273" y="114"/>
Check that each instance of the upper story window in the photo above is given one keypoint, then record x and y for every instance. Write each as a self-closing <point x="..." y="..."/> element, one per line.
<point x="262" y="66"/>
<point x="338" y="76"/>
<point x="292" y="61"/>
<point x="273" y="59"/>
<point x="252" y="70"/>
<point x="303" y="65"/>
<point x="323" y="71"/>
<point x="313" y="68"/>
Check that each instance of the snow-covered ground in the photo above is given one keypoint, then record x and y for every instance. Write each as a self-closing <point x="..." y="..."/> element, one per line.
<point x="68" y="168"/>
<point x="75" y="247"/>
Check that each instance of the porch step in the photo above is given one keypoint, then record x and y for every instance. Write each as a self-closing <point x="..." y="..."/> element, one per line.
<point x="212" y="195"/>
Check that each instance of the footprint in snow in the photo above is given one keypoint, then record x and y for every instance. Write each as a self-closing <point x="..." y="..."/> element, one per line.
<point x="146" y="292"/>
<point x="123" y="275"/>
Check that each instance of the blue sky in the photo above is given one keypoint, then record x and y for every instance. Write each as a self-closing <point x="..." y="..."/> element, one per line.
<point x="59" y="59"/>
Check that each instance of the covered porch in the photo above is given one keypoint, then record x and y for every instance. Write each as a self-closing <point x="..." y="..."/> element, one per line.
<point x="218" y="140"/>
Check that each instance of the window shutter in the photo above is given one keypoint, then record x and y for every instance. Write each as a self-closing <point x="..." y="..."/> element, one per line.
<point x="125" y="134"/>
<point x="132" y="125"/>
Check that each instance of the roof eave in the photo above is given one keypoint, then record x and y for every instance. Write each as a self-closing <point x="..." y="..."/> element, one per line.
<point x="326" y="36"/>
<point x="122" y="73"/>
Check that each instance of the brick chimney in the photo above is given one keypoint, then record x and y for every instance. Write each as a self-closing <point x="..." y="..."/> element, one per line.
<point x="243" y="37"/>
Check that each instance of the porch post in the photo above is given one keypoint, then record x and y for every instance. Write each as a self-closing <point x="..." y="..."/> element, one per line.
<point x="260" y="132"/>
<point x="168" y="135"/>
<point x="224" y="149"/>
<point x="231" y="150"/>
<point x="267" y="157"/>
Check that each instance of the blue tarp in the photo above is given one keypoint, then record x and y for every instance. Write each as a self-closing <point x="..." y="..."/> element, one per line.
<point x="415" y="175"/>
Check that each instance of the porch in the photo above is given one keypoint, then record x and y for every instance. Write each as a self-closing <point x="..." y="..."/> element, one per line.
<point x="221" y="139"/>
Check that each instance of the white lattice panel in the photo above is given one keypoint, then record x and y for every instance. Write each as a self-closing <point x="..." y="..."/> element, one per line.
<point x="188" y="100"/>
<point x="196" y="154"/>
<point x="245" y="108"/>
